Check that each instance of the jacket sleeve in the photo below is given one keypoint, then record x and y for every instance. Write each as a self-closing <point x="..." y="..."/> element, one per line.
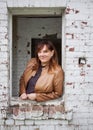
<point x="30" y="65"/>
<point x="57" y="91"/>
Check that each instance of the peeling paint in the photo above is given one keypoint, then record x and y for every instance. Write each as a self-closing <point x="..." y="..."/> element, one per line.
<point x="28" y="52"/>
<point x="6" y="36"/>
<point x="39" y="34"/>
<point x="28" y="44"/>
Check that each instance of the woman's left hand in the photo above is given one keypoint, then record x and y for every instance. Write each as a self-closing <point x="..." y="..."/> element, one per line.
<point x="31" y="96"/>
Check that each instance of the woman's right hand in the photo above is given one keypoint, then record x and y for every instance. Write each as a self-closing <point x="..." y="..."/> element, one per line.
<point x="23" y="96"/>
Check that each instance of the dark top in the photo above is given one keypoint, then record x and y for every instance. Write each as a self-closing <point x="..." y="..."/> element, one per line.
<point x="31" y="83"/>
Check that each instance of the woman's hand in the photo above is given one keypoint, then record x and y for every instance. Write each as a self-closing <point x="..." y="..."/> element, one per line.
<point x="23" y="96"/>
<point x="31" y="96"/>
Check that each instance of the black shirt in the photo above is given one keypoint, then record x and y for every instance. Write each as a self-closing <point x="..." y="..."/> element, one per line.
<point x="31" y="83"/>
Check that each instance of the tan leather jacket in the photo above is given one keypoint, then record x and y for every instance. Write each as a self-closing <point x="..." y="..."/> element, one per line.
<point x="49" y="85"/>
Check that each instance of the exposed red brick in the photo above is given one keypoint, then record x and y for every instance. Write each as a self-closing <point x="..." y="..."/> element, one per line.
<point x="37" y="107"/>
<point x="71" y="49"/>
<point x="45" y="109"/>
<point x="88" y="65"/>
<point x="52" y="109"/>
<point x="67" y="46"/>
<point x="84" y="23"/>
<point x="28" y="108"/>
<point x="68" y="10"/>
<point x="76" y="11"/>
<point x="6" y="36"/>
<point x="60" y="108"/>
<point x="72" y="35"/>
<point x="69" y="83"/>
<point x="82" y="74"/>
<point x="80" y="65"/>
<point x="15" y="111"/>
<point x="23" y="109"/>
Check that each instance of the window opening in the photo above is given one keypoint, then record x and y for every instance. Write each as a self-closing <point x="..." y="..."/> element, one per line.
<point x="27" y="31"/>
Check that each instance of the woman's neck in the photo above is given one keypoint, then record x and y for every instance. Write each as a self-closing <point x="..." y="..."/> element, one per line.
<point x="44" y="64"/>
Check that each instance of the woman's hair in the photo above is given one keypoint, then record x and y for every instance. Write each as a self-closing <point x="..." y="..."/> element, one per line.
<point x="53" y="63"/>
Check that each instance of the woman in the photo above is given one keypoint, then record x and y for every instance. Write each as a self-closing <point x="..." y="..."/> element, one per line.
<point x="42" y="79"/>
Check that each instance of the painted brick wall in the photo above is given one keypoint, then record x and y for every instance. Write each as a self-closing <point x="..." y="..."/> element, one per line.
<point x="75" y="110"/>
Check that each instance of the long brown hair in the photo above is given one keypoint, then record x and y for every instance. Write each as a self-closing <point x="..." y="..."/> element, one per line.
<point x="53" y="63"/>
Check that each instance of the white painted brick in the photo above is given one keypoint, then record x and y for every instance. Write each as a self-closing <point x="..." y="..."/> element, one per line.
<point x="4" y="81"/>
<point x="24" y="127"/>
<point x="4" y="55"/>
<point x="76" y="97"/>
<point x="33" y="127"/>
<point x="19" y="122"/>
<point x="51" y="122"/>
<point x="81" y="109"/>
<point x="29" y="122"/>
<point x="21" y="3"/>
<point x="78" y="104"/>
<point x="3" y="67"/>
<point x="1" y="122"/>
<point x="2" y="127"/>
<point x="75" y="54"/>
<point x="76" y="17"/>
<point x="90" y="121"/>
<point x="10" y="3"/>
<point x="83" y="127"/>
<point x="3" y="42"/>
<point x="64" y="127"/>
<point x="82" y="115"/>
<point x="3" y="10"/>
<point x="3" y="17"/>
<point x="80" y="121"/>
<point x="89" y="90"/>
<point x="47" y="127"/>
<point x="9" y="122"/>
<point x="74" y="42"/>
<point x="3" y="48"/>
<point x="90" y="127"/>
<point x="3" y="36"/>
<point x="14" y="3"/>
<point x="86" y="48"/>
<point x="2" y="4"/>
<point x="15" y="128"/>
<point x="91" y="98"/>
<point x="3" y="29"/>
<point x="75" y="79"/>
<point x="21" y="116"/>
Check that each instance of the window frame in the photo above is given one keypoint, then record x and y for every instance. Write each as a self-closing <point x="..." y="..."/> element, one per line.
<point x="39" y="11"/>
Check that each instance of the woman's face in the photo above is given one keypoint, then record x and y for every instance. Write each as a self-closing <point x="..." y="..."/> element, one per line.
<point x="45" y="55"/>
